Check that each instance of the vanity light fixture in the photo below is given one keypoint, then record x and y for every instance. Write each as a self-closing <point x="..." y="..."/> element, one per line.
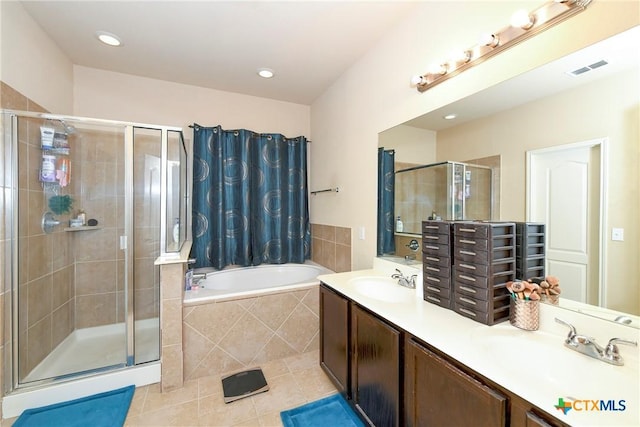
<point x="108" y="38"/>
<point x="266" y="73"/>
<point x="523" y="26"/>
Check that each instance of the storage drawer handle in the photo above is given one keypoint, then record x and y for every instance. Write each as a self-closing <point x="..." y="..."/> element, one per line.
<point x="467" y="289"/>
<point x="464" y="276"/>
<point x="429" y="258"/>
<point x="433" y="269"/>
<point x="468" y="230"/>
<point x="469" y="312"/>
<point x="467" y="300"/>
<point x="431" y="237"/>
<point x="471" y="267"/>
<point x="431" y="226"/>
<point x="468" y="253"/>
<point x="431" y="288"/>
<point x="432" y="247"/>
<point x="429" y="297"/>
<point x="433" y="279"/>
<point x="471" y="242"/>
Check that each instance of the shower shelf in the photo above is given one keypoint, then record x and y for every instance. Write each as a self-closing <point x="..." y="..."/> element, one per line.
<point x="83" y="228"/>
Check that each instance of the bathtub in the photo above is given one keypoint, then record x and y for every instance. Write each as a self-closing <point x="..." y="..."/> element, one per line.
<point x="243" y="317"/>
<point x="245" y="282"/>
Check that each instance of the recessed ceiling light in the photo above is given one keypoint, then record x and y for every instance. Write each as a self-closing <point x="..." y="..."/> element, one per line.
<point x="450" y="116"/>
<point x="267" y="73"/>
<point x="108" y="38"/>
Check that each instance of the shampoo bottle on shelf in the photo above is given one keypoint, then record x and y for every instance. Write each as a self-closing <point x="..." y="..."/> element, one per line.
<point x="399" y="225"/>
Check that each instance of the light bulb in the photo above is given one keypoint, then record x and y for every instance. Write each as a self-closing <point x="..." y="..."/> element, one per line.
<point x="522" y="19"/>
<point x="438" y="69"/>
<point x="488" y="39"/>
<point x="460" y="56"/>
<point x="416" y="80"/>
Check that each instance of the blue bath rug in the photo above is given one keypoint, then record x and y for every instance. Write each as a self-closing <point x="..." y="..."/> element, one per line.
<point x="331" y="411"/>
<point x="107" y="409"/>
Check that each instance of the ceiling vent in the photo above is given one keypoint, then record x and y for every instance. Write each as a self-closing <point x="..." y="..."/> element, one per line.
<point x="587" y="68"/>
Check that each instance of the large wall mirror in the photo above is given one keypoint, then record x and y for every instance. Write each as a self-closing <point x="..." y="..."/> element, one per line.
<point x="588" y="100"/>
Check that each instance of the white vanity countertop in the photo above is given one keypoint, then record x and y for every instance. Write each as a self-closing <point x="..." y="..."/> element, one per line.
<point x="534" y="365"/>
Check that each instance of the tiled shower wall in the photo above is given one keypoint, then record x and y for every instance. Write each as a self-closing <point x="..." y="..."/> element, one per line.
<point x="331" y="247"/>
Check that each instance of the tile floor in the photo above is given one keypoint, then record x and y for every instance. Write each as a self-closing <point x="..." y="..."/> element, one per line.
<point x="293" y="381"/>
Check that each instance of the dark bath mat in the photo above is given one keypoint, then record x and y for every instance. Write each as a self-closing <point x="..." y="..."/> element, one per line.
<point x="243" y="384"/>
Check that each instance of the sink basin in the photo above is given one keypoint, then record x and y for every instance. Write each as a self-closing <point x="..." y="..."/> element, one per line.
<point x="544" y="357"/>
<point x="382" y="289"/>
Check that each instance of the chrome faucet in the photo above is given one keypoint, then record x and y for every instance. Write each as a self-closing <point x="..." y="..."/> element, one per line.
<point x="406" y="281"/>
<point x="587" y="345"/>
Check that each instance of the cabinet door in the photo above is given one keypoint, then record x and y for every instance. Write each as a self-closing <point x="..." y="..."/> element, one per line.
<point x="334" y="337"/>
<point x="375" y="369"/>
<point x="439" y="394"/>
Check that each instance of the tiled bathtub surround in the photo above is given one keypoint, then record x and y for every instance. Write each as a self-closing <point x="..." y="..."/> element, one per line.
<point x="331" y="247"/>
<point x="223" y="337"/>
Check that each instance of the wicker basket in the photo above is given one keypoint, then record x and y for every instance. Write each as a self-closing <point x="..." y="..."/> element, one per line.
<point x="525" y="314"/>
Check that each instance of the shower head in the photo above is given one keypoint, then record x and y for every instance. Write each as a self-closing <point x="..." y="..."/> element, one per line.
<point x="69" y="129"/>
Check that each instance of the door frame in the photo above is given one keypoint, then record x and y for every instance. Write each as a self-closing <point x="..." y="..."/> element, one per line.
<point x="603" y="145"/>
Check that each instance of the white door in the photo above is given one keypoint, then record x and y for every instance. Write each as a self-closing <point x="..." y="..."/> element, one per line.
<point x="564" y="192"/>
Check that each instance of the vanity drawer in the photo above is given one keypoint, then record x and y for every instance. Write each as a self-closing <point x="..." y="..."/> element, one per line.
<point x="486" y="294"/>
<point x="498" y="314"/>
<point x="438" y="291"/>
<point x="436" y="299"/>
<point x="484" y="244"/>
<point x="434" y="259"/>
<point x="467" y="301"/>
<point x="436" y="249"/>
<point x="484" y="230"/>
<point x="470" y="291"/>
<point x="484" y="257"/>
<point x="492" y="280"/>
<point x="438" y="239"/>
<point x="433" y="280"/>
<point x="436" y="270"/>
<point x="436" y="227"/>
<point x="484" y="270"/>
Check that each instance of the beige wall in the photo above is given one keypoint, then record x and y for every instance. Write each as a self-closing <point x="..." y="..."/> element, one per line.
<point x="413" y="145"/>
<point x="606" y="108"/>
<point x="374" y="94"/>
<point x="109" y="95"/>
<point x="31" y="63"/>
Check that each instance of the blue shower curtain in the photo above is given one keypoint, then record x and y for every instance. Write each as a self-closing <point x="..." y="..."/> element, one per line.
<point x="386" y="189"/>
<point x="250" y="198"/>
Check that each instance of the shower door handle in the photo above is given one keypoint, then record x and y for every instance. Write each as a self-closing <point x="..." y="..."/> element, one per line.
<point x="123" y="243"/>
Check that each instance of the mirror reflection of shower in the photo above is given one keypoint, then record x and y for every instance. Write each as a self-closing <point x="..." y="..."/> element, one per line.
<point x="446" y="191"/>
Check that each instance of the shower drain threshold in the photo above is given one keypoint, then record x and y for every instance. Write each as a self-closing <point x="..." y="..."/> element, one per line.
<point x="243" y="384"/>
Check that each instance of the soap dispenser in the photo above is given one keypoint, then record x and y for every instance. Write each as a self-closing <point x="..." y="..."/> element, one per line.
<point x="399" y="225"/>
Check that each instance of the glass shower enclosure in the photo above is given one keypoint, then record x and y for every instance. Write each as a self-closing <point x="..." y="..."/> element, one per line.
<point x="89" y="206"/>
<point x="446" y="190"/>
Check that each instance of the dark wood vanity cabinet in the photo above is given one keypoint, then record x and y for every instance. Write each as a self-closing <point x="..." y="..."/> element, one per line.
<point x="334" y="338"/>
<point x="393" y="378"/>
<point x="437" y="393"/>
<point x="375" y="368"/>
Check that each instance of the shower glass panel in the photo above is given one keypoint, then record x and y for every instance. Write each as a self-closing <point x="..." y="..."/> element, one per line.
<point x="71" y="317"/>
<point x="147" y="183"/>
<point x="175" y="233"/>
<point x="83" y="199"/>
